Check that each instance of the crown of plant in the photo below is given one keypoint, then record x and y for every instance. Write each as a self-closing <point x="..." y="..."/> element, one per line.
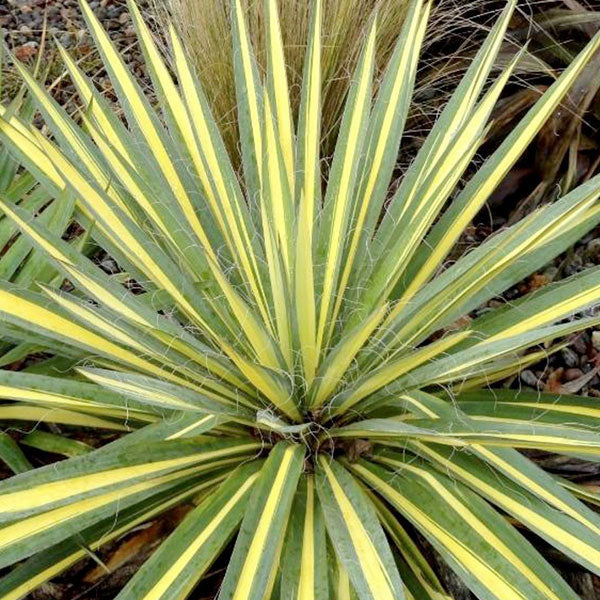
<point x="282" y="351"/>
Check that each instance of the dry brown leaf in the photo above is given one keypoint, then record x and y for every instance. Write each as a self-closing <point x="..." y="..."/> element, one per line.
<point x="151" y="535"/>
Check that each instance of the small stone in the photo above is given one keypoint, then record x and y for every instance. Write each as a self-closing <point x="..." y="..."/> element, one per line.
<point x="66" y="40"/>
<point x="550" y="273"/>
<point x="572" y="374"/>
<point x="570" y="357"/>
<point x="596" y="340"/>
<point x="592" y="250"/>
<point x="26" y="51"/>
<point x="579" y="344"/>
<point x="574" y="265"/>
<point x="529" y="378"/>
<point x="494" y="303"/>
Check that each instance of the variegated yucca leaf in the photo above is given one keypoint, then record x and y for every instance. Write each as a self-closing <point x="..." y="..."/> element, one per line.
<point x="278" y="347"/>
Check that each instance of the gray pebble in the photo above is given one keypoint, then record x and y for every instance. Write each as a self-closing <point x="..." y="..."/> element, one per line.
<point x="570" y="357"/>
<point x="592" y="250"/>
<point x="529" y="378"/>
<point x="66" y="40"/>
<point x="579" y="344"/>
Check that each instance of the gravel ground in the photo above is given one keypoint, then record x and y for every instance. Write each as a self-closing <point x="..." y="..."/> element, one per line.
<point x="22" y="25"/>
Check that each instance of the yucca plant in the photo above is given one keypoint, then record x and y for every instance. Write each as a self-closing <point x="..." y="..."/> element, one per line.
<point x="288" y="354"/>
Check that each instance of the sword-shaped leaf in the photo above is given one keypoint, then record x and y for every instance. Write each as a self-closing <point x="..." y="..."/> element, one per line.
<point x="356" y="534"/>
<point x="196" y="542"/>
<point x="491" y="557"/>
<point x="253" y="565"/>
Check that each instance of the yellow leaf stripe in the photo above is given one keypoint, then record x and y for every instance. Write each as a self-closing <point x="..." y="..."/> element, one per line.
<point x="146" y="125"/>
<point x="46" y="414"/>
<point x="233" y="229"/>
<point x="278" y="88"/>
<point x="184" y="558"/>
<point x="497" y="259"/>
<point x="490" y="577"/>
<point x="494" y="459"/>
<point x="509" y="504"/>
<point x="68" y="131"/>
<point x="89" y="95"/>
<point x="310" y="139"/>
<point x="267" y="382"/>
<point x="51" y="401"/>
<point x="19" y="592"/>
<point x="45" y="319"/>
<point x="409" y="551"/>
<point x="192" y="426"/>
<point x="228" y="196"/>
<point x="52" y="322"/>
<point x="59" y="491"/>
<point x="279" y="284"/>
<point x="334" y="367"/>
<point x="370" y="563"/>
<point x="276" y="188"/>
<point x="387" y="373"/>
<point x="22" y="530"/>
<point x="343" y="590"/>
<point x="342" y="197"/>
<point x="154" y="395"/>
<point x="526" y="440"/>
<point x="503" y="368"/>
<point x="27" y="143"/>
<point x="439" y="147"/>
<point x="249" y="83"/>
<point x="504" y="158"/>
<point x="259" y="339"/>
<point x="51" y="398"/>
<point x="306" y="584"/>
<point x="568" y="306"/>
<point x="443" y="180"/>
<point x="405" y="72"/>
<point x="115" y="302"/>
<point x="123" y="171"/>
<point x="114" y="223"/>
<point x="251" y="562"/>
